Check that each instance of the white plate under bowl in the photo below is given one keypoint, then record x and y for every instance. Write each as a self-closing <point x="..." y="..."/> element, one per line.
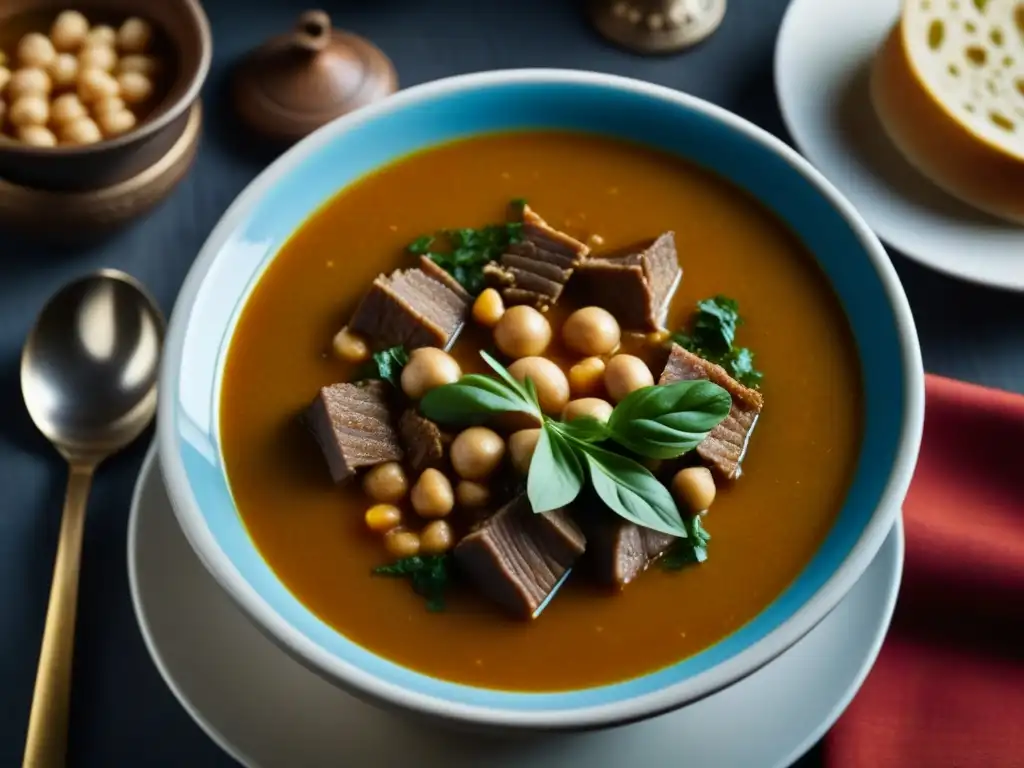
<point x="265" y="709"/>
<point x="822" y="56"/>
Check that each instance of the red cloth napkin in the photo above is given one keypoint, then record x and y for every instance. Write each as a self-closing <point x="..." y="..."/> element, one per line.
<point x="948" y="687"/>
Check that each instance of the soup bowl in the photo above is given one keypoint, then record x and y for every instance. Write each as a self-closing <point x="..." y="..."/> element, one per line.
<point x="256" y="226"/>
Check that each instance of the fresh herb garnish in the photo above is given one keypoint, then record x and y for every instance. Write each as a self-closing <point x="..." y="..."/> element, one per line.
<point x="387" y="365"/>
<point x="429" y="575"/>
<point x="664" y="423"/>
<point x="713" y="337"/>
<point x="463" y="253"/>
<point x="692" y="549"/>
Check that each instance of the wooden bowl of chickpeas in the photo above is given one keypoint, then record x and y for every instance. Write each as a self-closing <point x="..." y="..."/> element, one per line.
<point x="93" y="93"/>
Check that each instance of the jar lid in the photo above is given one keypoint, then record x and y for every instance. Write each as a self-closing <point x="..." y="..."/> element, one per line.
<point x="656" y="26"/>
<point x="296" y="82"/>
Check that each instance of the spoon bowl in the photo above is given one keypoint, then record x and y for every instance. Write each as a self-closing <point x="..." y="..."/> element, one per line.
<point x="89" y="373"/>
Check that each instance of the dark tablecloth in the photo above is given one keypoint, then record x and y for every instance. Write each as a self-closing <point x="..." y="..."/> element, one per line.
<point x="122" y="714"/>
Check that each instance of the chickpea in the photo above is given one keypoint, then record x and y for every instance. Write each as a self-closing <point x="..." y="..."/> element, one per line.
<point x="67" y="108"/>
<point x="69" y="30"/>
<point x="591" y="331"/>
<point x="386" y="483"/>
<point x="521" y="446"/>
<point x="594" y="407"/>
<point x="551" y="384"/>
<point x="63" y="70"/>
<point x="35" y="50"/>
<point x="135" y="87"/>
<point x="401" y="543"/>
<point x="134" y="36"/>
<point x="81" y="132"/>
<point x="427" y="369"/>
<point x="522" y="332"/>
<point x="5" y="78"/>
<point x="108" y="104"/>
<point x="347" y="345"/>
<point x="101" y="34"/>
<point x="476" y="452"/>
<point x="94" y="56"/>
<point x="29" y="110"/>
<point x="586" y="378"/>
<point x="144" y="65"/>
<point x="115" y="123"/>
<point x="95" y="84"/>
<point x="29" y="82"/>
<point x="624" y="374"/>
<point x="488" y="308"/>
<point x="432" y="496"/>
<point x="37" y="136"/>
<point x="694" y="488"/>
<point x="436" y="538"/>
<point x="472" y="495"/>
<point x="381" y="518"/>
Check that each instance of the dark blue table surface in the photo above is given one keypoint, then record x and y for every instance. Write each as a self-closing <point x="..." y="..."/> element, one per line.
<point x="122" y="714"/>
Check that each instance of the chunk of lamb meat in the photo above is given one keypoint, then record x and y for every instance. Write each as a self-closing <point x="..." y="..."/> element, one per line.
<point x="352" y="424"/>
<point x="617" y="550"/>
<point x="422" y="440"/>
<point x="419" y="307"/>
<point x="535" y="270"/>
<point x="517" y="558"/>
<point x="724" y="448"/>
<point x="637" y="287"/>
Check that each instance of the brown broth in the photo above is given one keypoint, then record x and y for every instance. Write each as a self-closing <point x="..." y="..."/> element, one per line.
<point x="765" y="528"/>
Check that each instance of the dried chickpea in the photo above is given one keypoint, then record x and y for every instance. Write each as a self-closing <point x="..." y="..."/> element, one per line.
<point x="135" y="87"/>
<point x="591" y="331"/>
<point x="550" y="382"/>
<point x="35" y="50"/>
<point x="624" y="374"/>
<point x="428" y="368"/>
<point x="115" y="123"/>
<point x="37" y="136"/>
<point x="432" y="495"/>
<point x="386" y="483"/>
<point x="694" y="489"/>
<point x="63" y="70"/>
<point x="347" y="345"/>
<point x="144" y="65"/>
<point x="586" y="378"/>
<point x="381" y="518"/>
<point x="476" y="452"/>
<point x="94" y="56"/>
<point x="101" y="34"/>
<point x="67" y="108"/>
<point x="5" y="78"/>
<point x="401" y="543"/>
<point x="594" y="407"/>
<point x="69" y="30"/>
<point x="108" y="104"/>
<point x="29" y="110"/>
<point x="134" y="35"/>
<point x="521" y="446"/>
<point x="488" y="308"/>
<point x="436" y="538"/>
<point x="522" y="332"/>
<point x="472" y="495"/>
<point x="81" y="132"/>
<point x="95" y="84"/>
<point x="29" y="81"/>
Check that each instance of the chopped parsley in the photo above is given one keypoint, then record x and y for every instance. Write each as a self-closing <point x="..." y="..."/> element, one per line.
<point x="689" y="551"/>
<point x="429" y="575"/>
<point x="713" y="336"/>
<point x="387" y="365"/>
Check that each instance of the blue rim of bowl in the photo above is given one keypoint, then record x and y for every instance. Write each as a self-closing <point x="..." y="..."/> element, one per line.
<point x="292" y="188"/>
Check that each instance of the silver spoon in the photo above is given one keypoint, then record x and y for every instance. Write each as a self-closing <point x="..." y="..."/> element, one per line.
<point x="88" y="375"/>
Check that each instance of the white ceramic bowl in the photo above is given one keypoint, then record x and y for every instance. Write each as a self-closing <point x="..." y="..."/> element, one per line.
<point x="275" y="204"/>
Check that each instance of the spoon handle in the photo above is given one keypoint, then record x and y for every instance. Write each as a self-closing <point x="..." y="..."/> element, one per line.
<point x="46" y="745"/>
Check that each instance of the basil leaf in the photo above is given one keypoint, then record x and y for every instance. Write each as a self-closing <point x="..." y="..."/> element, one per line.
<point x="526" y="391"/>
<point x="387" y="365"/>
<point x="584" y="428"/>
<point x="631" y="491"/>
<point x="665" y="421"/>
<point x="468" y="404"/>
<point x="556" y="476"/>
<point x="689" y="551"/>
